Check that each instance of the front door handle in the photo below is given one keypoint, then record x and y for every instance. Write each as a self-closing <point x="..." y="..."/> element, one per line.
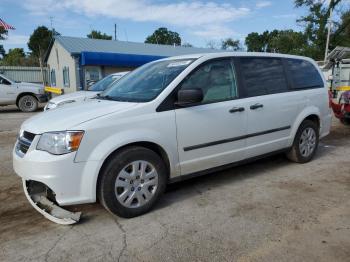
<point x="236" y="109"/>
<point x="256" y="106"/>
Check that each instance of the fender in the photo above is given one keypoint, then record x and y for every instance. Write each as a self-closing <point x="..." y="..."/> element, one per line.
<point x="308" y="111"/>
<point x="110" y="144"/>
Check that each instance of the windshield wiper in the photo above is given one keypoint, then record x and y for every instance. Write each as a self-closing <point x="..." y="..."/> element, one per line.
<point x="98" y="96"/>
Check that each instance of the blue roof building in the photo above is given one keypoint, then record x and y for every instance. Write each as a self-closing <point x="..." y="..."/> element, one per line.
<point x="74" y="62"/>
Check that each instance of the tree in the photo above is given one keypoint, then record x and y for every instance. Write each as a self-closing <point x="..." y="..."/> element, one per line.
<point x="212" y="44"/>
<point x="254" y="42"/>
<point x="288" y="42"/>
<point x="98" y="35"/>
<point x="14" y="57"/>
<point x="341" y="35"/>
<point x="230" y="44"/>
<point x="2" y="51"/>
<point x="277" y="41"/>
<point x="315" y="24"/>
<point x="39" y="41"/>
<point x="163" y="36"/>
<point x="3" y="33"/>
<point x="187" y="45"/>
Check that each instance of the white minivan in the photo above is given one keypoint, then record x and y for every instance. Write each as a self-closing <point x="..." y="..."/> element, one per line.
<point x="168" y="120"/>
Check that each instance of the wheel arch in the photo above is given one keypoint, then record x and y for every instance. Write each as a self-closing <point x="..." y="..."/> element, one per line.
<point x="159" y="150"/>
<point x="24" y="94"/>
<point x="310" y="113"/>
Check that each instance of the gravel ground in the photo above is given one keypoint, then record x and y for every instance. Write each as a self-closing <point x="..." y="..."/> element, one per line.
<point x="269" y="210"/>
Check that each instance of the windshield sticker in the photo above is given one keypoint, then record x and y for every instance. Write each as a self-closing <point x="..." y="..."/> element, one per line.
<point x="180" y="63"/>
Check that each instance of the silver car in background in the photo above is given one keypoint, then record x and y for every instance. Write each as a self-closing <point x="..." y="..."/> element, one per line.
<point x="80" y="96"/>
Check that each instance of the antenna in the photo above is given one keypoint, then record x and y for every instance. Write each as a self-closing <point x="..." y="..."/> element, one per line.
<point x="115" y="32"/>
<point x="51" y="23"/>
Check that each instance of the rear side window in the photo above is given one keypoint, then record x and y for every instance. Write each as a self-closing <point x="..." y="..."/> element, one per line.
<point x="263" y="76"/>
<point x="303" y="74"/>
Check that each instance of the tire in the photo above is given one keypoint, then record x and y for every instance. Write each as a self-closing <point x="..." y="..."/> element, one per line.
<point x="125" y="190"/>
<point x="28" y="103"/>
<point x="305" y="142"/>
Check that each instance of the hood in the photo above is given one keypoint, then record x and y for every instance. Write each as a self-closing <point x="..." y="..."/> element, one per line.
<point x="31" y="85"/>
<point x="76" y="96"/>
<point x="69" y="116"/>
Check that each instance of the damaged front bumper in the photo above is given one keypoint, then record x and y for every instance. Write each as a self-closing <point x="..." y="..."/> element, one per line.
<point x="42" y="199"/>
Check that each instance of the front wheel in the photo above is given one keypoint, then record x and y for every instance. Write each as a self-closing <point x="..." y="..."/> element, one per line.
<point x="132" y="182"/>
<point x="305" y="142"/>
<point x="28" y="103"/>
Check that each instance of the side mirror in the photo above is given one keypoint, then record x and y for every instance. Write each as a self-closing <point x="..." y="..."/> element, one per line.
<point x="188" y="97"/>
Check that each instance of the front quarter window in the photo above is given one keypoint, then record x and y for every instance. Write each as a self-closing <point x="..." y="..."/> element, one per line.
<point x="147" y="82"/>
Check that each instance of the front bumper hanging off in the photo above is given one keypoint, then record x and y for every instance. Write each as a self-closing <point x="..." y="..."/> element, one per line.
<point x="38" y="196"/>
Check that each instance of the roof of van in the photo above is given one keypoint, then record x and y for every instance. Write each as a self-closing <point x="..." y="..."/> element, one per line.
<point x="230" y="54"/>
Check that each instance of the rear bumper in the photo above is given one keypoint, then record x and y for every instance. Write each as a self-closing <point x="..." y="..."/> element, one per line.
<point x="326" y="125"/>
<point x="42" y="98"/>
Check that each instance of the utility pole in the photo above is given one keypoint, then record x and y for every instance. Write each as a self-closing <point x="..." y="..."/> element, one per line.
<point x="328" y="34"/>
<point x="52" y="28"/>
<point x="115" y="32"/>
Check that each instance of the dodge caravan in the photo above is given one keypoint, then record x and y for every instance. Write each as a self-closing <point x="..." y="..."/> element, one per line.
<point x="168" y="120"/>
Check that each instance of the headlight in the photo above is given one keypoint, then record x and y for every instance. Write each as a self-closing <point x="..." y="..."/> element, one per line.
<point x="65" y="102"/>
<point x="59" y="143"/>
<point x="41" y="91"/>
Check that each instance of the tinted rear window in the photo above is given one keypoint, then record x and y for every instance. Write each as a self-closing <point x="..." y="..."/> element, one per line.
<point x="263" y="76"/>
<point x="304" y="74"/>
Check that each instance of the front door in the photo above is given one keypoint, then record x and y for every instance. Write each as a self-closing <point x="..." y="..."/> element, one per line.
<point x="7" y="91"/>
<point x="211" y="134"/>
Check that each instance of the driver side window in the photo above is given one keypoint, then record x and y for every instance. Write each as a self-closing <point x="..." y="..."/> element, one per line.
<point x="3" y="81"/>
<point x="216" y="79"/>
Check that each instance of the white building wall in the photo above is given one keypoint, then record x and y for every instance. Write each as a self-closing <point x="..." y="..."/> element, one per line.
<point x="57" y="60"/>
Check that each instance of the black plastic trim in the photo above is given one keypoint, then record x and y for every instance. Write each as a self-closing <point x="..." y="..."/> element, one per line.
<point x="223" y="167"/>
<point x="228" y="140"/>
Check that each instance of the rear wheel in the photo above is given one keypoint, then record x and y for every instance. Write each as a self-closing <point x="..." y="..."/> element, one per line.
<point x="132" y="182"/>
<point x="305" y="142"/>
<point x="28" y="103"/>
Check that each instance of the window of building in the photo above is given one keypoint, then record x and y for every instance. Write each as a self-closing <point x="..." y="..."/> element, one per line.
<point x="66" y="76"/>
<point x="216" y="79"/>
<point x="304" y="74"/>
<point x="53" y="77"/>
<point x="263" y="76"/>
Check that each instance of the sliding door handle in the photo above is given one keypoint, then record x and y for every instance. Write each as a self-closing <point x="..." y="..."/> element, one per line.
<point x="236" y="109"/>
<point x="256" y="106"/>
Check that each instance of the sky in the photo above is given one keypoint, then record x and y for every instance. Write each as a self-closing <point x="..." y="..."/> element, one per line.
<point x="197" y="22"/>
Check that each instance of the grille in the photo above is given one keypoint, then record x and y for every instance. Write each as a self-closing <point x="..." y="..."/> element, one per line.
<point x="24" y="142"/>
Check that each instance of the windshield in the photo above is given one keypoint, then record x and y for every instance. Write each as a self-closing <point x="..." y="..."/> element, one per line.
<point x="10" y="79"/>
<point x="104" y="83"/>
<point x="147" y="82"/>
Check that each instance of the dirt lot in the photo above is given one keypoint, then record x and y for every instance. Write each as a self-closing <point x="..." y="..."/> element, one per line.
<point x="270" y="210"/>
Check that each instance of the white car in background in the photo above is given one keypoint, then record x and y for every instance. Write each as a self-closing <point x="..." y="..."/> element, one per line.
<point x="26" y="96"/>
<point x="80" y="96"/>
